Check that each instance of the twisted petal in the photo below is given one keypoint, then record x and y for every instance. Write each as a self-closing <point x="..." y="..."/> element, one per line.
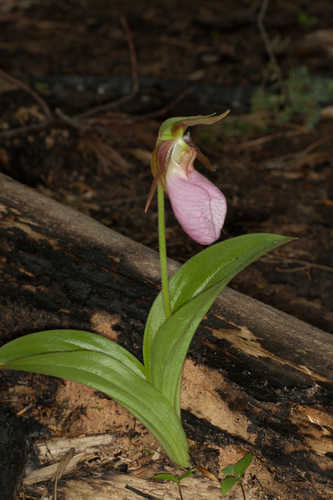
<point x="198" y="204"/>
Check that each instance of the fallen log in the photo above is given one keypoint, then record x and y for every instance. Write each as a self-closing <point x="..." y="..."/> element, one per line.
<point x="256" y="379"/>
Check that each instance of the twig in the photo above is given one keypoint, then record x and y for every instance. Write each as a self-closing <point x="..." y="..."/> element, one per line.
<point x="18" y="83"/>
<point x="259" y="141"/>
<point x="243" y="491"/>
<point x="72" y="122"/>
<point x="24" y="410"/>
<point x="180" y="491"/>
<point x="134" y="75"/>
<point x="36" y="127"/>
<point x="81" y="121"/>
<point x="132" y="53"/>
<point x="61" y="469"/>
<point x="170" y="105"/>
<point x="317" y="143"/>
<point x="59" y="119"/>
<point x="104" y="152"/>
<point x="75" y="121"/>
<point x="50" y="118"/>
<point x="305" y="264"/>
<point x="266" y="40"/>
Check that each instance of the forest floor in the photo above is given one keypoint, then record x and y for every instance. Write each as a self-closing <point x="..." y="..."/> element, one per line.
<point x="84" y="88"/>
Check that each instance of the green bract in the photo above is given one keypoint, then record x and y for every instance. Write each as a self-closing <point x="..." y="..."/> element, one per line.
<point x="175" y="127"/>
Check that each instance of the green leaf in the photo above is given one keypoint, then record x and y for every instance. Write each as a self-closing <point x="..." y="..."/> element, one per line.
<point x="167" y="477"/>
<point x="66" y="341"/>
<point x="227" y="484"/>
<point x="235" y="472"/>
<point x="172" y="342"/>
<point x="240" y="467"/>
<point x="186" y="474"/>
<point x="175" y="479"/>
<point x="195" y="285"/>
<point x="104" y="365"/>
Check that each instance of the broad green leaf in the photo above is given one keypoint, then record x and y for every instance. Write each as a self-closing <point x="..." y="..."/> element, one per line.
<point x="66" y="341"/>
<point x="240" y="467"/>
<point x="86" y="358"/>
<point x="227" y="484"/>
<point x="172" y="342"/>
<point x="217" y="264"/>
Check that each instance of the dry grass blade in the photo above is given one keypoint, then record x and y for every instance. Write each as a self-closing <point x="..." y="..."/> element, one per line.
<point x="61" y="469"/>
<point x="19" y="84"/>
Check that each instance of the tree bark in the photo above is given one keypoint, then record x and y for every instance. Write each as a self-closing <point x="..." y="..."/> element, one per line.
<point x="256" y="379"/>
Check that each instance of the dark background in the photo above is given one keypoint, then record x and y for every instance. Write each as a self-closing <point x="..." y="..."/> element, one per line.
<point x="269" y="62"/>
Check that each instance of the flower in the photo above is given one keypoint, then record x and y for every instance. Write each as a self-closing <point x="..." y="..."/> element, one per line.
<point x="199" y="206"/>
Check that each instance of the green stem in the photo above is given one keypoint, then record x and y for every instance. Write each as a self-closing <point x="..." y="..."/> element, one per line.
<point x="162" y="248"/>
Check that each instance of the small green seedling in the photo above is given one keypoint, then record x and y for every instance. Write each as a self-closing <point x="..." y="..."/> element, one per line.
<point x="175" y="479"/>
<point x="306" y="20"/>
<point x="234" y="474"/>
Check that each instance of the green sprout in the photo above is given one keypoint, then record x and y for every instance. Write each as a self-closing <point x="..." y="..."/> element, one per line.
<point x="175" y="479"/>
<point x="234" y="474"/>
<point x="306" y="20"/>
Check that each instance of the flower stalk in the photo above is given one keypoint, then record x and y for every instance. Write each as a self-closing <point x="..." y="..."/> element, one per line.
<point x="162" y="251"/>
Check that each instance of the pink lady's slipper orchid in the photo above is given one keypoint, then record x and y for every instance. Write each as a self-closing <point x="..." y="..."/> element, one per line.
<point x="197" y="203"/>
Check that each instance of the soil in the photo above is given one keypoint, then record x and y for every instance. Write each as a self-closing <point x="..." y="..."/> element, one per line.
<point x="193" y="58"/>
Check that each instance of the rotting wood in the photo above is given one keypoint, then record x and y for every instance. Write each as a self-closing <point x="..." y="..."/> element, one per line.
<point x="51" y="452"/>
<point x="123" y="487"/>
<point x="256" y="378"/>
<point x="113" y="485"/>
